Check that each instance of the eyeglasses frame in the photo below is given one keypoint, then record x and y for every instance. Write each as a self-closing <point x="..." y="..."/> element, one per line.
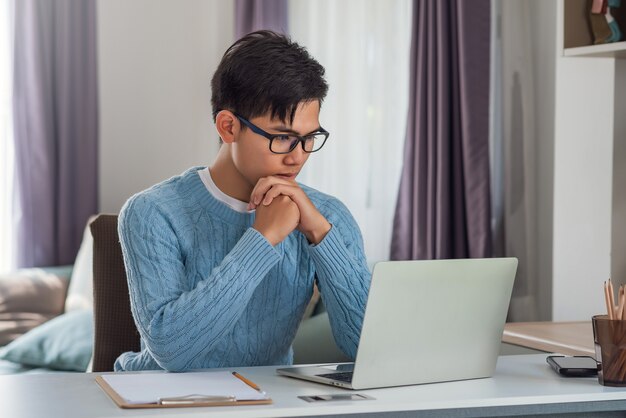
<point x="271" y="137"/>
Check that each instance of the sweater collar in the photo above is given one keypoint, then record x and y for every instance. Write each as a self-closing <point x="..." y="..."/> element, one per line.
<point x="212" y="204"/>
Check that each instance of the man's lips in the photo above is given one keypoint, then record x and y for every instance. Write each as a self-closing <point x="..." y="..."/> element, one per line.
<point x="289" y="176"/>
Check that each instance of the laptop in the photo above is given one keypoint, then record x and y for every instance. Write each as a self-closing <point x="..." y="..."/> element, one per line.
<point x="426" y="321"/>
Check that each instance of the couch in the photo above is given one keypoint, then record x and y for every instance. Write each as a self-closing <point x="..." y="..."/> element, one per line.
<point x="46" y="320"/>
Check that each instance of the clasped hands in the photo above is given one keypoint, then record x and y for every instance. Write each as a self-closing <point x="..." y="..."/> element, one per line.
<point x="282" y="206"/>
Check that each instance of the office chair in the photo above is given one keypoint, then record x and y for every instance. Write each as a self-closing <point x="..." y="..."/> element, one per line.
<point x="115" y="330"/>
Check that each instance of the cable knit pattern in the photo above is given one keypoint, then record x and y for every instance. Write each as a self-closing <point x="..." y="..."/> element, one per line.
<point x="208" y="290"/>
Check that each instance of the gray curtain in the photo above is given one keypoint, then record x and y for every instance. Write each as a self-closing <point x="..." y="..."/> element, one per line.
<point x="251" y="15"/>
<point x="443" y="207"/>
<point x="55" y="127"/>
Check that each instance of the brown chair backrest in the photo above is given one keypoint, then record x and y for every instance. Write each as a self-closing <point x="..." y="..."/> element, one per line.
<point x="115" y="330"/>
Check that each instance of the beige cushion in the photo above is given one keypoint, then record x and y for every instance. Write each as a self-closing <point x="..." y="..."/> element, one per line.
<point x="30" y="297"/>
<point x="80" y="292"/>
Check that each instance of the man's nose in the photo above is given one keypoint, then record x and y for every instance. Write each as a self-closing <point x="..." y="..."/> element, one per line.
<point x="296" y="156"/>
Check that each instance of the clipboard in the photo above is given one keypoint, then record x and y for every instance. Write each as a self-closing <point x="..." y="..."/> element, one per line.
<point x="163" y="390"/>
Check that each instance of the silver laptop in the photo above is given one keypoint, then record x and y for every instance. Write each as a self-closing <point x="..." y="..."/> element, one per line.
<point x="426" y="321"/>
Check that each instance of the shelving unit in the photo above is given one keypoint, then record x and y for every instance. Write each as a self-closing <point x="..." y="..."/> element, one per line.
<point x="612" y="50"/>
<point x="589" y="216"/>
<point x="578" y="37"/>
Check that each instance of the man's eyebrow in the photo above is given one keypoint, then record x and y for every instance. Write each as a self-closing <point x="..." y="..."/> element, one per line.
<point x="283" y="128"/>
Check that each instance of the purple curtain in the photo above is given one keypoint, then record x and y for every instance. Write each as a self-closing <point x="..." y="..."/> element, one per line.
<point x="443" y="207"/>
<point x="55" y="128"/>
<point x="251" y="15"/>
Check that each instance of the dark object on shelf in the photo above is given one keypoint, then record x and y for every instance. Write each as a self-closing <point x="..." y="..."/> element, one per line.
<point x="577" y="31"/>
<point x="604" y="27"/>
<point x="600" y="28"/>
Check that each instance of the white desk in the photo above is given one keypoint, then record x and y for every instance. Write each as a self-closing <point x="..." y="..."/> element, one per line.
<point x="570" y="338"/>
<point x="522" y="385"/>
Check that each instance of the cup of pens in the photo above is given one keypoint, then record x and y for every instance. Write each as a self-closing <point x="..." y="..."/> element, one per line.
<point x="609" y="335"/>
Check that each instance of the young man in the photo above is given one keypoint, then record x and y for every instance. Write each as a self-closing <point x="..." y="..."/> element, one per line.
<point x="221" y="261"/>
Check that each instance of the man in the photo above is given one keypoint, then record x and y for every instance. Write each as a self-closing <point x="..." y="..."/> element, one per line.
<point x="221" y="261"/>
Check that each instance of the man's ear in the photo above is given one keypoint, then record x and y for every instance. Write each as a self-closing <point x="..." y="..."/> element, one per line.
<point x="227" y="126"/>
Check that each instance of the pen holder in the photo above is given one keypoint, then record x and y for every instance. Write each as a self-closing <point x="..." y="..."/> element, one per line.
<point x="609" y="336"/>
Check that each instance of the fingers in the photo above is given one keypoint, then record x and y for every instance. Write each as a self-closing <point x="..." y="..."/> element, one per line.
<point x="310" y="221"/>
<point x="277" y="190"/>
<point x="277" y="220"/>
<point x="262" y="187"/>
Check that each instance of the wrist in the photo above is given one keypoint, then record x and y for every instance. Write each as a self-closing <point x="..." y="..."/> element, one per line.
<point x="316" y="235"/>
<point x="268" y="236"/>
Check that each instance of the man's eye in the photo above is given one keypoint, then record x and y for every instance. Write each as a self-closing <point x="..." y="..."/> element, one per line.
<point x="286" y="138"/>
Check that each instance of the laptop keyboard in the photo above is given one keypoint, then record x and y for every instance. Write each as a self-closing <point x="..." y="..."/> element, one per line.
<point x="341" y="376"/>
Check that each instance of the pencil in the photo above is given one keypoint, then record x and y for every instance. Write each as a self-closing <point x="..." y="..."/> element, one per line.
<point x="607" y="300"/>
<point x="246" y="381"/>
<point x="612" y="295"/>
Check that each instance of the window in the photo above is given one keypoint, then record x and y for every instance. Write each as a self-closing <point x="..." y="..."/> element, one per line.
<point x="365" y="47"/>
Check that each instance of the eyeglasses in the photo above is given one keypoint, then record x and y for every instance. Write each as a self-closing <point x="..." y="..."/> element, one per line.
<point x="284" y="144"/>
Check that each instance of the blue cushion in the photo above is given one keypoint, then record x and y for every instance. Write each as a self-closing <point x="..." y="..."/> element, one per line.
<point x="63" y="343"/>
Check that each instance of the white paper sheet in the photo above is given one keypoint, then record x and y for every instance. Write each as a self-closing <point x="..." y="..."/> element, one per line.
<point x="150" y="387"/>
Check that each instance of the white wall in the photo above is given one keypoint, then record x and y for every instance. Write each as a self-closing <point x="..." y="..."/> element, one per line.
<point x="583" y="174"/>
<point x="544" y="44"/>
<point x="156" y="59"/>
<point x="523" y="186"/>
<point x="618" y="242"/>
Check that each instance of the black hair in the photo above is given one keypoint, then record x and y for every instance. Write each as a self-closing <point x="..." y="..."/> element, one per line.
<point x="266" y="72"/>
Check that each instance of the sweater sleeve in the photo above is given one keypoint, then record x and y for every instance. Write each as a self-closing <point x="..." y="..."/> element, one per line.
<point x="178" y="323"/>
<point x="343" y="276"/>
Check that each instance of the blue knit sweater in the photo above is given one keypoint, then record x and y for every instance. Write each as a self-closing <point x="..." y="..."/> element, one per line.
<point x="208" y="290"/>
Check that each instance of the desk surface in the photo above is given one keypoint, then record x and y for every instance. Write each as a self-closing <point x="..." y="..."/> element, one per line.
<point x="522" y="385"/>
<point x="570" y="338"/>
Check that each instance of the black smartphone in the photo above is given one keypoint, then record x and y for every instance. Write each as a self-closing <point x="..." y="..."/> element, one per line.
<point x="576" y="366"/>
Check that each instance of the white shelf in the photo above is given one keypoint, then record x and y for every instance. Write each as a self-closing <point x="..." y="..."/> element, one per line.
<point x="612" y="50"/>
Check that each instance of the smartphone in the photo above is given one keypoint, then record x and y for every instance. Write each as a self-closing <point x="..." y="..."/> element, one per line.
<point x="576" y="366"/>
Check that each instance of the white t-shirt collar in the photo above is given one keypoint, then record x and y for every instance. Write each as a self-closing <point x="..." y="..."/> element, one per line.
<point x="237" y="205"/>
